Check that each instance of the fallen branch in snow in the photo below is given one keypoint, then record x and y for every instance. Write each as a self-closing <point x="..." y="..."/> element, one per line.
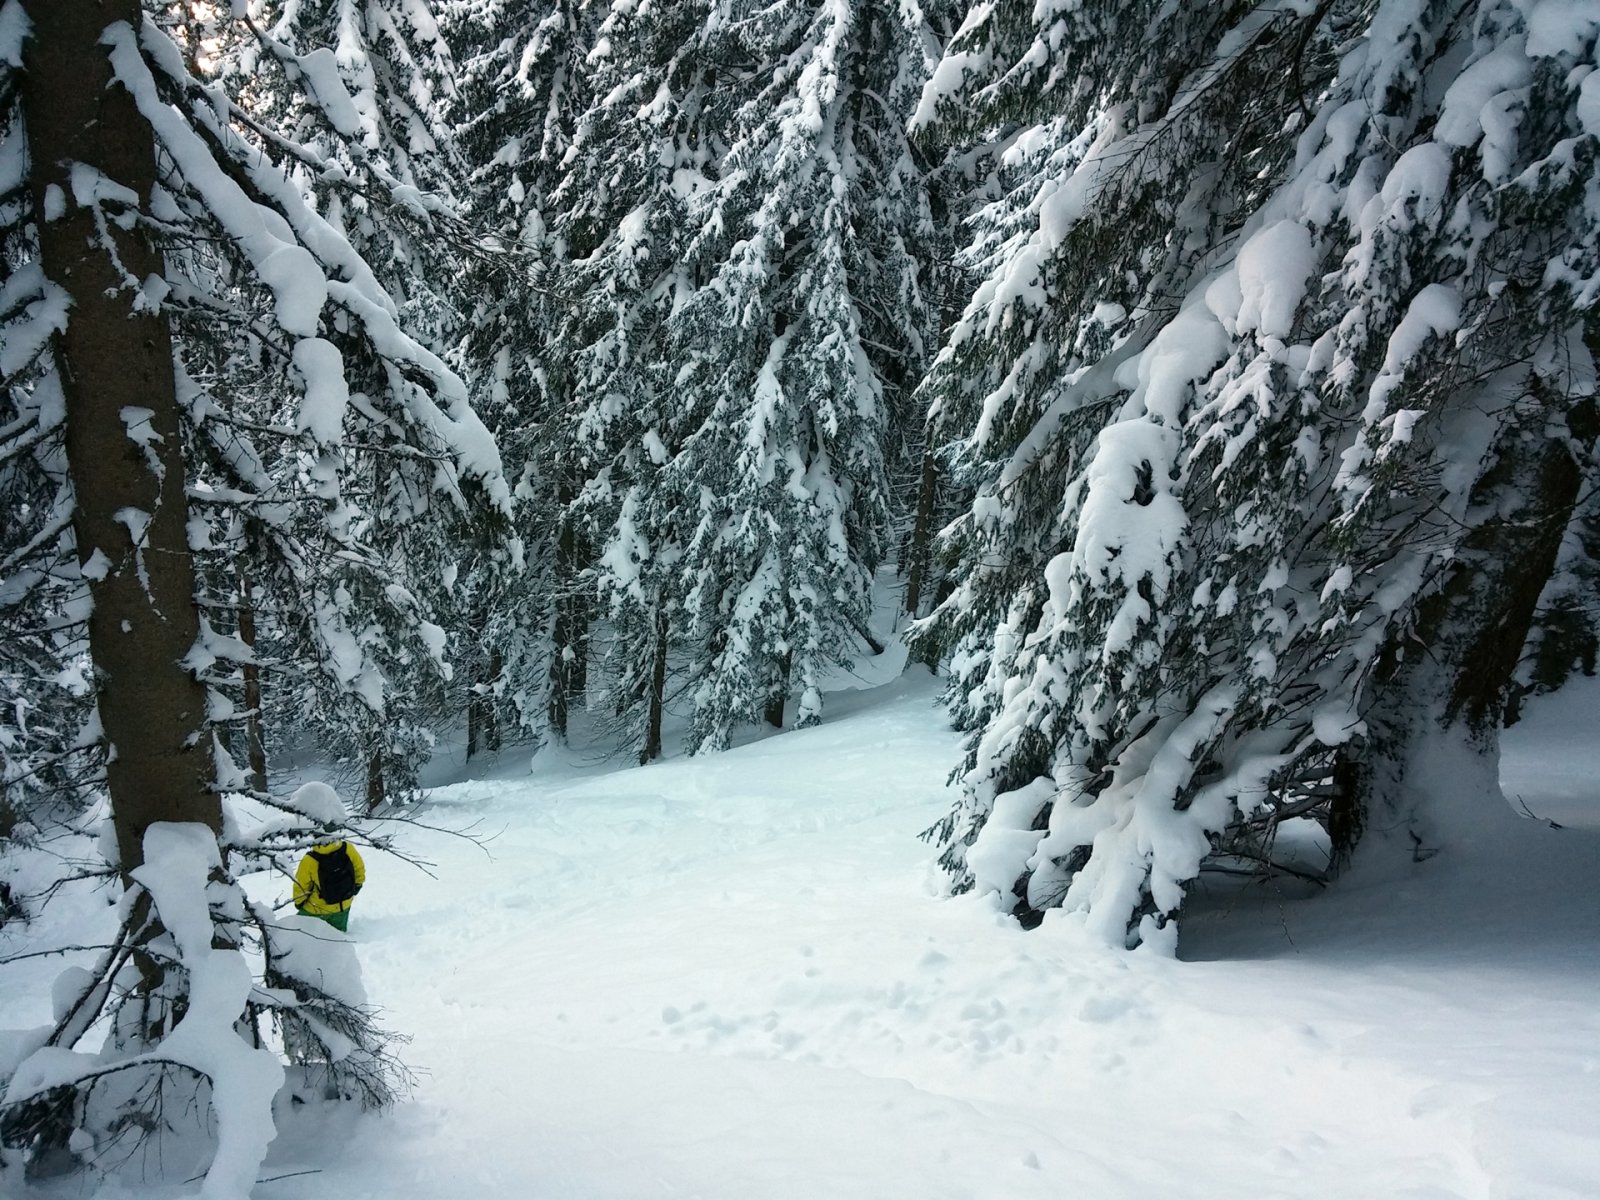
<point x="1265" y="869"/>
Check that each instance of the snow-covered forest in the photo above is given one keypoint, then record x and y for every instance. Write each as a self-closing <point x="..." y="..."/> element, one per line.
<point x="1120" y="460"/>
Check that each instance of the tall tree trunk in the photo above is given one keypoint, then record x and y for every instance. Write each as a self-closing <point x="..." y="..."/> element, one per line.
<point x="576" y="555"/>
<point x="569" y="669"/>
<point x="558" y="712"/>
<point x="483" y="723"/>
<point x="924" y="650"/>
<point x="254" y="738"/>
<point x="658" y="689"/>
<point x="921" y="535"/>
<point x="374" y="781"/>
<point x="1473" y="626"/>
<point x="774" y="709"/>
<point x="491" y="714"/>
<point x="124" y="453"/>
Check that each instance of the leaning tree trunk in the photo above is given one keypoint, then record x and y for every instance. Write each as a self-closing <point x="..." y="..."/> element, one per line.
<point x="124" y="453"/>
<point x="1473" y="626"/>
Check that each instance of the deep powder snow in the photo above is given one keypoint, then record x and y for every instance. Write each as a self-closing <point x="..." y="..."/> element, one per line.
<point x="729" y="977"/>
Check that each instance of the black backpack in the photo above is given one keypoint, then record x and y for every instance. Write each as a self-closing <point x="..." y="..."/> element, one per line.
<point x="336" y="876"/>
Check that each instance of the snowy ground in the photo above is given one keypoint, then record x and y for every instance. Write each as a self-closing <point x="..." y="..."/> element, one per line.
<point x="727" y="978"/>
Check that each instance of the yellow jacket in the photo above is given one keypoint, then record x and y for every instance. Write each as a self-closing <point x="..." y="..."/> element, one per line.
<point x="306" y="897"/>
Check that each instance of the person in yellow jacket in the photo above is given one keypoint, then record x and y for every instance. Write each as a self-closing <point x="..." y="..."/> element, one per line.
<point x="327" y="880"/>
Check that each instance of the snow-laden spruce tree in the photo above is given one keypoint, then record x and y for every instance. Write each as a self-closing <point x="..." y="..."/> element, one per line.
<point x="807" y="296"/>
<point x="1277" y="403"/>
<point x="522" y="89"/>
<point x="1008" y="393"/>
<point x="200" y="349"/>
<point x="352" y="98"/>
<point x="620" y="227"/>
<point x="740" y="224"/>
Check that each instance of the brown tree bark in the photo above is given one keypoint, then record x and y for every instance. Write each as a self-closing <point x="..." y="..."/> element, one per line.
<point x="1474" y="624"/>
<point x="569" y="670"/>
<point x="375" y="792"/>
<point x="254" y="736"/>
<point x="123" y="449"/>
<point x="491" y="712"/>
<point x="775" y="703"/>
<point x="483" y="718"/>
<point x="658" y="690"/>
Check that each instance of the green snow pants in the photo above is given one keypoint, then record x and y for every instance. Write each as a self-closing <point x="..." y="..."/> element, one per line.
<point x="339" y="920"/>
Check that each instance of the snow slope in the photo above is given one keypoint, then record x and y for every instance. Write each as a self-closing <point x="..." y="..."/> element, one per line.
<point x="728" y="977"/>
<point x="1550" y="761"/>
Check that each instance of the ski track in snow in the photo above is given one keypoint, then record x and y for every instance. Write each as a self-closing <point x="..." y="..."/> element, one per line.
<point x="730" y="977"/>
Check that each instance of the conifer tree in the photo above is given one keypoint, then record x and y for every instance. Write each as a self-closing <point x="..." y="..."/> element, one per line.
<point x="1565" y="638"/>
<point x="1278" y="372"/>
<point x="523" y="88"/>
<point x="360" y="93"/>
<point x="743" y="266"/>
<point x="621" y="228"/>
<point x="796" y="244"/>
<point x="199" y="353"/>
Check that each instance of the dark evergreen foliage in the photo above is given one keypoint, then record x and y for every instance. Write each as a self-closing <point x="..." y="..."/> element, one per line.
<point x="1269" y="308"/>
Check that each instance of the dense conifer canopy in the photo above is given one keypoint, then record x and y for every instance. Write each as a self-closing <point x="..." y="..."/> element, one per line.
<point x="1216" y="379"/>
